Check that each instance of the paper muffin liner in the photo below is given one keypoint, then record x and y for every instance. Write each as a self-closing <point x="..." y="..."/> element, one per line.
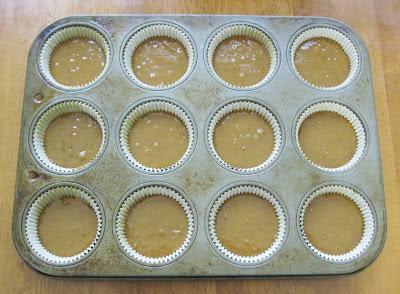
<point x="243" y="30"/>
<point x="350" y="116"/>
<point x="347" y="45"/>
<point x="149" y="107"/>
<point x="252" y="107"/>
<point x="76" y="31"/>
<point x="369" y="223"/>
<point x="157" y="30"/>
<point x="280" y="215"/>
<point x="123" y="213"/>
<point x="32" y="223"/>
<point x="54" y="111"/>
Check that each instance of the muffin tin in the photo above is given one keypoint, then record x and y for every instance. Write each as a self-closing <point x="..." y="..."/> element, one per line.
<point x="288" y="178"/>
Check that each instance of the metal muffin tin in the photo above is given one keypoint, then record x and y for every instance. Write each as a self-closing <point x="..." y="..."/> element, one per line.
<point x="200" y="178"/>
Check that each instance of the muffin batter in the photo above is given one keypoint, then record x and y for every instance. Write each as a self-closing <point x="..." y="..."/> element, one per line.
<point x="67" y="226"/>
<point x="322" y="62"/>
<point x="158" y="139"/>
<point x="77" y="61"/>
<point x="246" y="225"/>
<point x="243" y="139"/>
<point x="72" y="139"/>
<point x="327" y="139"/>
<point x="333" y="223"/>
<point x="160" y="61"/>
<point x="241" y="61"/>
<point x="156" y="226"/>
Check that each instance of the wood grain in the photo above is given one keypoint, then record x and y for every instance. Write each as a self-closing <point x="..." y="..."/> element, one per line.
<point x="378" y="23"/>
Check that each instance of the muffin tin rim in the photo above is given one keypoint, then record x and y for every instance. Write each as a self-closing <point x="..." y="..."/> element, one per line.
<point x="265" y="31"/>
<point x="150" y="98"/>
<point x="142" y="185"/>
<point x="211" y="203"/>
<point x="239" y="99"/>
<point x="364" y="195"/>
<point x="351" y="108"/>
<point x="45" y="108"/>
<point x="44" y="189"/>
<point x="324" y="24"/>
<point x="136" y="29"/>
<point x="91" y="25"/>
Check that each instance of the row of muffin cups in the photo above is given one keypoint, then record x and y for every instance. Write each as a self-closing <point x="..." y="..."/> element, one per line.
<point x="157" y="104"/>
<point x="175" y="32"/>
<point x="56" y="192"/>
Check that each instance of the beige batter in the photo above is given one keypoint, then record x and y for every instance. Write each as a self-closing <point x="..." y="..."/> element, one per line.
<point x="77" y="61"/>
<point x="327" y="139"/>
<point x="72" y="139"/>
<point x="246" y="224"/>
<point x="241" y="61"/>
<point x="158" y="139"/>
<point x="243" y="139"/>
<point x="333" y="224"/>
<point x="67" y="226"/>
<point x="160" y="61"/>
<point x="156" y="226"/>
<point x="322" y="62"/>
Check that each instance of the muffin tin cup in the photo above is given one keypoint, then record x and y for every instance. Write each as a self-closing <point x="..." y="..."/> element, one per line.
<point x="245" y="105"/>
<point x="123" y="212"/>
<point x="62" y="35"/>
<point x="157" y="30"/>
<point x="32" y="222"/>
<point x="350" y="116"/>
<point x="335" y="35"/>
<point x="280" y="234"/>
<point x="49" y="115"/>
<point x="367" y="214"/>
<point x="139" y="111"/>
<point x="243" y="30"/>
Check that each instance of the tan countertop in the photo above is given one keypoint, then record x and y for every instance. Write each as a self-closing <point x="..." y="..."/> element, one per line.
<point x="378" y="23"/>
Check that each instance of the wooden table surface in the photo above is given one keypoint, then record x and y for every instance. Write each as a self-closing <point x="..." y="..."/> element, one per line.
<point x="378" y="23"/>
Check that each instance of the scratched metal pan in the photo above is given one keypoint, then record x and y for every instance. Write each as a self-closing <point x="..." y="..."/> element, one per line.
<point x="201" y="178"/>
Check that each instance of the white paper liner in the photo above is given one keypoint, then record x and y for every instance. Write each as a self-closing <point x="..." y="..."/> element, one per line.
<point x="344" y="42"/>
<point x="78" y="31"/>
<point x="32" y="223"/>
<point x="350" y="116"/>
<point x="149" y="107"/>
<point x="280" y="215"/>
<point x="54" y="111"/>
<point x="157" y="30"/>
<point x="252" y="107"/>
<point x="123" y="213"/>
<point x="247" y="31"/>
<point x="369" y="223"/>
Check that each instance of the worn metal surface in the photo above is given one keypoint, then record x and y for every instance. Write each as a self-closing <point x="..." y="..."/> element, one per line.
<point x="201" y="178"/>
